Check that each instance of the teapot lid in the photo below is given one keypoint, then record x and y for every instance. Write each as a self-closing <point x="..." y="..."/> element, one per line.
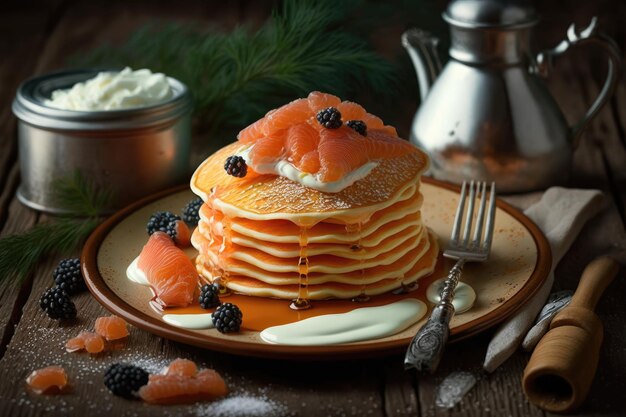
<point x="490" y="13"/>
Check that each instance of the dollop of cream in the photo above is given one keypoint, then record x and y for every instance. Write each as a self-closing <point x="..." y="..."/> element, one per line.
<point x="464" y="295"/>
<point x="288" y="170"/>
<point x="190" y="321"/>
<point x="357" y="325"/>
<point x="114" y="91"/>
<point x="135" y="274"/>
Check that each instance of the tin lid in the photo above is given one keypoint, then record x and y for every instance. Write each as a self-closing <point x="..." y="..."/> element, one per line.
<point x="29" y="105"/>
<point x="490" y="13"/>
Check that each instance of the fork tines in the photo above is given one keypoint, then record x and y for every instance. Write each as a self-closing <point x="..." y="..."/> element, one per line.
<point x="482" y="224"/>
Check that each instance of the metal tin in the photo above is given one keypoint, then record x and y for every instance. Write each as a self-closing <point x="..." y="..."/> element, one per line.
<point x="131" y="152"/>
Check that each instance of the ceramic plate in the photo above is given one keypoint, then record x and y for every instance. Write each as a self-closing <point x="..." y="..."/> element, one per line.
<point x="518" y="264"/>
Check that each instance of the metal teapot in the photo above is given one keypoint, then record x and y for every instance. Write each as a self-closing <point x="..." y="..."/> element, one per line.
<point x="487" y="115"/>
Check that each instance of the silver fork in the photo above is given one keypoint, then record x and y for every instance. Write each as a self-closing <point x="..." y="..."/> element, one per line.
<point x="426" y="348"/>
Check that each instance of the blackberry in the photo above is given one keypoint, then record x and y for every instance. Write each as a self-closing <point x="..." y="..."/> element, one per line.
<point x="236" y="166"/>
<point x="330" y="118"/>
<point x="57" y="304"/>
<point x="209" y="296"/>
<point x="163" y="221"/>
<point x="191" y="212"/>
<point x="358" y="126"/>
<point x="125" y="380"/>
<point x="68" y="277"/>
<point x="227" y="318"/>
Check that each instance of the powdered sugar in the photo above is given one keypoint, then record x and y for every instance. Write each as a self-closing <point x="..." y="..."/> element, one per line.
<point x="243" y="405"/>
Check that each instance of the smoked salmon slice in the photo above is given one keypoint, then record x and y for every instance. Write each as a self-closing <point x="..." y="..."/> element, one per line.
<point x="89" y="341"/>
<point x="111" y="327"/>
<point x="171" y="274"/>
<point x="180" y="388"/>
<point x="293" y="134"/>
<point x="49" y="380"/>
<point x="182" y="367"/>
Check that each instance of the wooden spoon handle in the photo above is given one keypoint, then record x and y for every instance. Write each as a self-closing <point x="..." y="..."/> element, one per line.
<point x="594" y="280"/>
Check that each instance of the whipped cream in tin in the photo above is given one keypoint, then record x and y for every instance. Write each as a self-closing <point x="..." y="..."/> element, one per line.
<point x="114" y="91"/>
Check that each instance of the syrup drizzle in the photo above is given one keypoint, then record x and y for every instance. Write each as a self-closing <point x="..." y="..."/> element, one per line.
<point x="410" y="287"/>
<point x="356" y="230"/>
<point x="302" y="302"/>
<point x="212" y="242"/>
<point x="219" y="271"/>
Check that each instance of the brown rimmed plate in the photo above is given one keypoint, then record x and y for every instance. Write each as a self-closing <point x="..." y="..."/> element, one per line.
<point x="520" y="261"/>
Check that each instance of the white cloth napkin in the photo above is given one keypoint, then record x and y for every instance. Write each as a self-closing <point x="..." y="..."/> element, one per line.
<point x="560" y="214"/>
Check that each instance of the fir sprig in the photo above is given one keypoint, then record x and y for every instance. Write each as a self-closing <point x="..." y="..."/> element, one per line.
<point x="80" y="196"/>
<point x="237" y="77"/>
<point x="19" y="253"/>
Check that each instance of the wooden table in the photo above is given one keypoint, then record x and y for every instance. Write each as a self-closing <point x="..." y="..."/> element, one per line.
<point x="33" y="42"/>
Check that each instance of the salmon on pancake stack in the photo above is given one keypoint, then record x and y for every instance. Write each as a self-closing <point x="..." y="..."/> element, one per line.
<point x="317" y="200"/>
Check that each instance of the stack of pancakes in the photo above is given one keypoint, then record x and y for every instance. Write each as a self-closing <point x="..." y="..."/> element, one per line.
<point x="269" y="236"/>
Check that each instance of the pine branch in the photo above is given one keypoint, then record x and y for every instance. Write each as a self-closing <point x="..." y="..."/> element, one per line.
<point x="80" y="196"/>
<point x="19" y="253"/>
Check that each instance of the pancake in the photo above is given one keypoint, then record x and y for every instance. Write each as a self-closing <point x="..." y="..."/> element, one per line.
<point x="312" y="212"/>
<point x="369" y="249"/>
<point x="399" y="268"/>
<point x="322" y="244"/>
<point x="340" y="287"/>
<point x="317" y="263"/>
<point x="285" y="231"/>
<point x="270" y="197"/>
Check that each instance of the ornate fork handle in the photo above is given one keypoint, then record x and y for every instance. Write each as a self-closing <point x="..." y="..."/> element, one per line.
<point x="426" y="348"/>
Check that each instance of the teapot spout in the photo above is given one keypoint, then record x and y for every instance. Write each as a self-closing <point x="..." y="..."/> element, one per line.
<point x="422" y="48"/>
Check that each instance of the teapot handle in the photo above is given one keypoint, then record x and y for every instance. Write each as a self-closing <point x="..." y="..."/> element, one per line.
<point x="586" y="36"/>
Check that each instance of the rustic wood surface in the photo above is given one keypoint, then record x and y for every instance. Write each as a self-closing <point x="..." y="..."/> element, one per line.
<point x="36" y="37"/>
